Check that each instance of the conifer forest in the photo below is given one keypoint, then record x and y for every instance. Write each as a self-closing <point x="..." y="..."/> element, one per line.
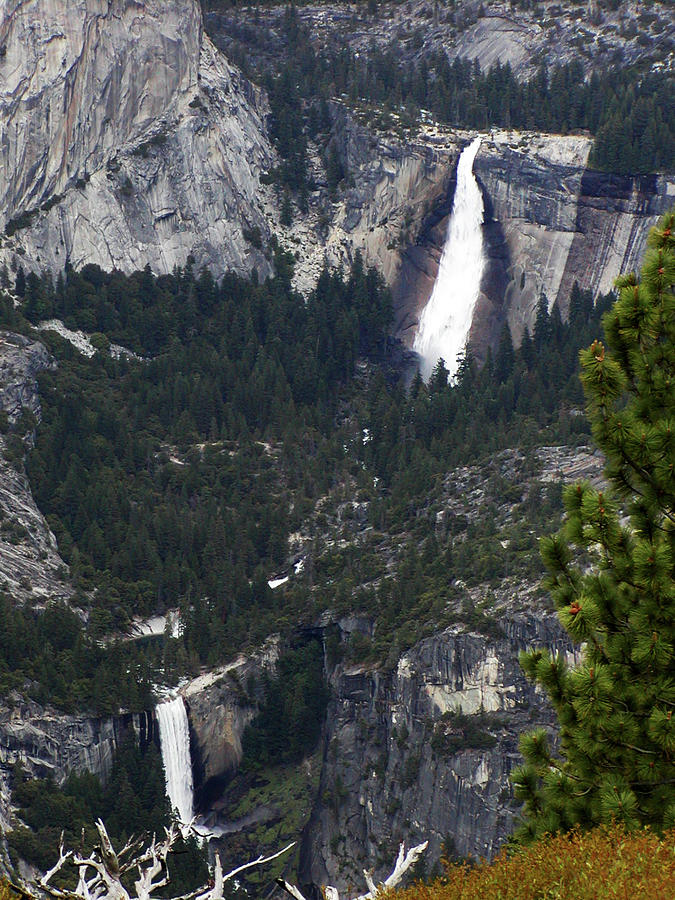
<point x="337" y="499"/>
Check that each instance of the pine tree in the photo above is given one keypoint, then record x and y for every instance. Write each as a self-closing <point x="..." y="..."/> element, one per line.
<point x="612" y="577"/>
<point x="542" y="324"/>
<point x="505" y="358"/>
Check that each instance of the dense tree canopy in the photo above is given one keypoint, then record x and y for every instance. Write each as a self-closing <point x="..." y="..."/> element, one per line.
<point x="173" y="480"/>
<point x="628" y="110"/>
<point x="131" y="802"/>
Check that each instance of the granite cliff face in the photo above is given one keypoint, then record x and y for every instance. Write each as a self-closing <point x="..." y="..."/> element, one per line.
<point x="394" y="185"/>
<point x="219" y="709"/>
<point x="549" y="221"/>
<point x="50" y="744"/>
<point x="422" y="751"/>
<point x="399" y="765"/>
<point x="30" y="564"/>
<point x="613" y="218"/>
<point x="562" y="222"/>
<point x="127" y="139"/>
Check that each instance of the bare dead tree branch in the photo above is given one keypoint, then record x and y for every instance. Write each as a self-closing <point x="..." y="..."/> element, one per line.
<point x="100" y="873"/>
<point x="404" y="862"/>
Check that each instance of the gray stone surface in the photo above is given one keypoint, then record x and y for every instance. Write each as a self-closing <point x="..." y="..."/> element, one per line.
<point x="130" y="140"/>
<point x="128" y="136"/>
<point x="382" y="782"/>
<point x="563" y="223"/>
<point x="50" y="744"/>
<point x="220" y="705"/>
<point x="30" y="565"/>
<point x="549" y="222"/>
<point x="549" y="31"/>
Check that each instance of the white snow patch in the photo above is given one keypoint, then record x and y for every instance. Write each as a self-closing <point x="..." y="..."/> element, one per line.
<point x="277" y="582"/>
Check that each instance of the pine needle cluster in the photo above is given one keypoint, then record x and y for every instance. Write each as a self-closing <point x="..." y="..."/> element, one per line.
<point x="612" y="577"/>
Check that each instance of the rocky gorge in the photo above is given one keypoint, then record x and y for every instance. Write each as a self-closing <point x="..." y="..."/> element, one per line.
<point x="164" y="153"/>
<point x="129" y="138"/>
<point x="384" y="777"/>
<point x="418" y="748"/>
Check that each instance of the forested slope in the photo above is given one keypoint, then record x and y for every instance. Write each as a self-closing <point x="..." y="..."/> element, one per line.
<point x="176" y="475"/>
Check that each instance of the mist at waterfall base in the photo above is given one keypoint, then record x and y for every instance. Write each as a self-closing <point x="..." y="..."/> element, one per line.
<point x="446" y="319"/>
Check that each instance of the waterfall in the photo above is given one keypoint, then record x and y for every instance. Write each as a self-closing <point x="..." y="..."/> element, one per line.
<point x="174" y="738"/>
<point x="446" y="319"/>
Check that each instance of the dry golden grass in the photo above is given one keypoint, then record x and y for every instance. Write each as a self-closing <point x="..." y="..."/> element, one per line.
<point x="603" y="864"/>
<point x="6" y="893"/>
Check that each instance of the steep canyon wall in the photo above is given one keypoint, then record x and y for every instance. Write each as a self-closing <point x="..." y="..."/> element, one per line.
<point x="49" y="744"/>
<point x="126" y="139"/>
<point x="549" y="222"/>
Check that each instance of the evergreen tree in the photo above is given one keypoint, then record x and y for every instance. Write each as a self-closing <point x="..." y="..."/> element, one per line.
<point x="505" y="355"/>
<point x="617" y="733"/>
<point x="20" y="286"/>
<point x="542" y="324"/>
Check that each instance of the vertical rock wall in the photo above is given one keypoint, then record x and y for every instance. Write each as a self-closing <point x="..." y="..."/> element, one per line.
<point x="30" y="564"/>
<point x="614" y="215"/>
<point x="383" y="781"/>
<point x="549" y="222"/>
<point x="50" y="744"/>
<point x="126" y="139"/>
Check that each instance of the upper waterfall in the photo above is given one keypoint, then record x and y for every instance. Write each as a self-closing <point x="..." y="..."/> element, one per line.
<point x="446" y="319"/>
<point x="174" y="738"/>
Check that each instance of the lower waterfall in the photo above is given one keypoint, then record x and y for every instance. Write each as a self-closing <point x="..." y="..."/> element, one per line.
<point x="446" y="320"/>
<point x="174" y="738"/>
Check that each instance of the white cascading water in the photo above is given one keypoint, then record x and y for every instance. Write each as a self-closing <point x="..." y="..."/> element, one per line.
<point x="446" y="319"/>
<point x="174" y="738"/>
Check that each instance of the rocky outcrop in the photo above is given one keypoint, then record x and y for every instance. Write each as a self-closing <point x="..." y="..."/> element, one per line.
<point x="21" y="361"/>
<point x="392" y="187"/>
<point x="220" y="706"/>
<point x="499" y="31"/>
<point x="531" y="183"/>
<point x="394" y="765"/>
<point x="49" y="744"/>
<point x="127" y="139"/>
<point x="613" y="218"/>
<point x="562" y="222"/>
<point x="30" y="565"/>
